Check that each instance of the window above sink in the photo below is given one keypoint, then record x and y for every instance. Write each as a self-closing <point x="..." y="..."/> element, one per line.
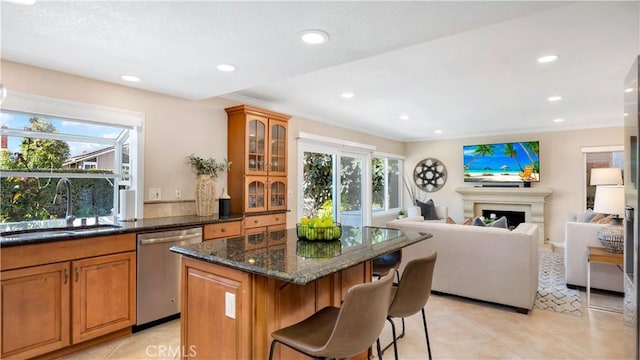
<point x="98" y="149"/>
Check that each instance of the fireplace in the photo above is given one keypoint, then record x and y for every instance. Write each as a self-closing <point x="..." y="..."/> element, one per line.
<point x="514" y="218"/>
<point x="529" y="201"/>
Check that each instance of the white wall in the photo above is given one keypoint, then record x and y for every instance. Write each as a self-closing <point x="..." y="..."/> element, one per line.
<point x="561" y="169"/>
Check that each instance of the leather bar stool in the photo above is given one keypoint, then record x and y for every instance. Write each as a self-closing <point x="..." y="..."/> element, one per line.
<point x="383" y="264"/>
<point x="341" y="332"/>
<point x="410" y="296"/>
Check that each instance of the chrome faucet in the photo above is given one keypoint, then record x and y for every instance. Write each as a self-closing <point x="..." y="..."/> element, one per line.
<point x="58" y="199"/>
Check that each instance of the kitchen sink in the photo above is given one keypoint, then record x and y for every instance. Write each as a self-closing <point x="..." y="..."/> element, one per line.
<point x="56" y="232"/>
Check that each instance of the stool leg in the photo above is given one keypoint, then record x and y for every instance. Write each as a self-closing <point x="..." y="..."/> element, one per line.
<point x="273" y="345"/>
<point x="379" y="349"/>
<point x="395" y="345"/>
<point x="426" y="333"/>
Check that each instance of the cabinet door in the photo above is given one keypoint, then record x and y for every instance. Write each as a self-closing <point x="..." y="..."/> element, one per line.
<point x="104" y="295"/>
<point x="277" y="148"/>
<point x="256" y="194"/>
<point x="35" y="310"/>
<point x="277" y="193"/>
<point x="256" y="150"/>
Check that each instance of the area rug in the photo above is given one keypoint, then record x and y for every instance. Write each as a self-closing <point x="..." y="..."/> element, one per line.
<point x="553" y="293"/>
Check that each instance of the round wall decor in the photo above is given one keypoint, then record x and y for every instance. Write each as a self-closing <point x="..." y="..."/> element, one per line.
<point x="430" y="175"/>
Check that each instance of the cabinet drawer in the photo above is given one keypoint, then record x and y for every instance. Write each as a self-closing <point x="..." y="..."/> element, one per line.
<point x="222" y="230"/>
<point x="264" y="220"/>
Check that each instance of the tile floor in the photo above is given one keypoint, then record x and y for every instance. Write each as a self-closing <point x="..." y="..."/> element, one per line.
<point x="458" y="329"/>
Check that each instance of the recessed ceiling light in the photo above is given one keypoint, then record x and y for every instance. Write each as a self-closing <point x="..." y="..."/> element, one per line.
<point x="547" y="59"/>
<point x="558" y="120"/>
<point x="130" y="78"/>
<point x="554" y="98"/>
<point x="314" y="37"/>
<point x="347" y="95"/>
<point x="628" y="90"/>
<point x="625" y="114"/>
<point x="438" y="131"/>
<point x="226" y="67"/>
<point x="404" y="117"/>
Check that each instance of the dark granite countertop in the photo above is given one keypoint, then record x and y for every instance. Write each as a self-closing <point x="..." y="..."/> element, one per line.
<point x="34" y="232"/>
<point x="280" y="255"/>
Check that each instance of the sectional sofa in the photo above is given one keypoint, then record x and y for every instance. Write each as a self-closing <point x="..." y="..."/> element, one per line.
<point x="483" y="263"/>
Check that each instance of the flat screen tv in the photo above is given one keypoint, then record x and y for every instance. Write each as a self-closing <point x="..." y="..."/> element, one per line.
<point x="502" y="162"/>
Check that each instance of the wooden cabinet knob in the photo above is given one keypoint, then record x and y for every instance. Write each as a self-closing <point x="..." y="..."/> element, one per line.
<point x="223" y="230"/>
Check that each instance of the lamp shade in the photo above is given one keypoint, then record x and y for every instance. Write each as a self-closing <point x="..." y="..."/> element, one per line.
<point x="606" y="176"/>
<point x="609" y="200"/>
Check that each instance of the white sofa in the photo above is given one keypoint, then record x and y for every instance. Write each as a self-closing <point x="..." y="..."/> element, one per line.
<point x="578" y="236"/>
<point x="484" y="263"/>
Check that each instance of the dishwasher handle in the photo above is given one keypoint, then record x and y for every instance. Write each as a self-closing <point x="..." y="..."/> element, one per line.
<point x="166" y="239"/>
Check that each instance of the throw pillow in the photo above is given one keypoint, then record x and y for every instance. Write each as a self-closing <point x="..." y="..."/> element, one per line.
<point x="428" y="209"/>
<point x="468" y="221"/>
<point x="587" y="216"/>
<point x="477" y="221"/>
<point x="500" y="223"/>
<point x="450" y="220"/>
<point x="597" y="218"/>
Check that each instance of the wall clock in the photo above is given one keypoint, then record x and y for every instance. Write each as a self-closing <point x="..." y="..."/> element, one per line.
<point x="430" y="175"/>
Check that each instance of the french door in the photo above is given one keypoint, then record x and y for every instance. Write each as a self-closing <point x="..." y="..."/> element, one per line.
<point x="334" y="183"/>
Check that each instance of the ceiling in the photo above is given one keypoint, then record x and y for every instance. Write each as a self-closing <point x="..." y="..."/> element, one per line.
<point x="464" y="68"/>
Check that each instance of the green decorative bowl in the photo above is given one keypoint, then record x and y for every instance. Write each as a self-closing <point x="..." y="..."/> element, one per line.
<point x="319" y="233"/>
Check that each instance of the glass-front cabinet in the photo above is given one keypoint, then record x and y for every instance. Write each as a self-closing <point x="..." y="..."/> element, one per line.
<point x="257" y="147"/>
<point x="278" y="149"/>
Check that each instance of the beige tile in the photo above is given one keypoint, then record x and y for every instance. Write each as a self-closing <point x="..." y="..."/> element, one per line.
<point x="458" y="329"/>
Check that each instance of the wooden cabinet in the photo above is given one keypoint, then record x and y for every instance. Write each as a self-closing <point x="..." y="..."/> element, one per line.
<point x="257" y="146"/>
<point x="35" y="310"/>
<point x="103" y="298"/>
<point x="222" y="230"/>
<point x="60" y="294"/>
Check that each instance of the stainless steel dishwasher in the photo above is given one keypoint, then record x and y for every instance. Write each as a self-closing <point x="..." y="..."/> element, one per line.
<point x="158" y="276"/>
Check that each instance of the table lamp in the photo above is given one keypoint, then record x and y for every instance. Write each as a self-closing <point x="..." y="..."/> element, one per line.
<point x="606" y="176"/>
<point x="610" y="200"/>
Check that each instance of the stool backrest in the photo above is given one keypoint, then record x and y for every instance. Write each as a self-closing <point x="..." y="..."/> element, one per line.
<point x="361" y="318"/>
<point x="414" y="288"/>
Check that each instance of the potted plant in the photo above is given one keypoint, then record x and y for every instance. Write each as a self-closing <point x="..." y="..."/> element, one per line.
<point x="206" y="170"/>
<point x="402" y="214"/>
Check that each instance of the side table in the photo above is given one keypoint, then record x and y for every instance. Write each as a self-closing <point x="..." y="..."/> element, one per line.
<point x="600" y="255"/>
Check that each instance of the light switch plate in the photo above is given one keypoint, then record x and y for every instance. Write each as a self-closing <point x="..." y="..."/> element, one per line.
<point x="155" y="194"/>
<point x="230" y="305"/>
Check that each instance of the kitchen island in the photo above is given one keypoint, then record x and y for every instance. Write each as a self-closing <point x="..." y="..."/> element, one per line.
<point x="235" y="292"/>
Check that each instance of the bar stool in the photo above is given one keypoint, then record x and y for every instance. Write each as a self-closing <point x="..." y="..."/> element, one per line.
<point x="341" y="332"/>
<point x="410" y="296"/>
<point x="382" y="264"/>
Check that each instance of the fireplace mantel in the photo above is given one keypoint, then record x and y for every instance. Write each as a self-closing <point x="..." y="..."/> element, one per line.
<point x="529" y="200"/>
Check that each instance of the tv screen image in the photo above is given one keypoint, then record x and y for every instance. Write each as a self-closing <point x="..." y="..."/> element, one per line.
<point x="502" y="162"/>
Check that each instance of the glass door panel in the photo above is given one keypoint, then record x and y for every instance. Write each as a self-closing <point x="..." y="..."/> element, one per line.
<point x="278" y="148"/>
<point x="277" y="194"/>
<point x="317" y="184"/>
<point x="351" y="191"/>
<point x="256" y="151"/>
<point x="255" y="195"/>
